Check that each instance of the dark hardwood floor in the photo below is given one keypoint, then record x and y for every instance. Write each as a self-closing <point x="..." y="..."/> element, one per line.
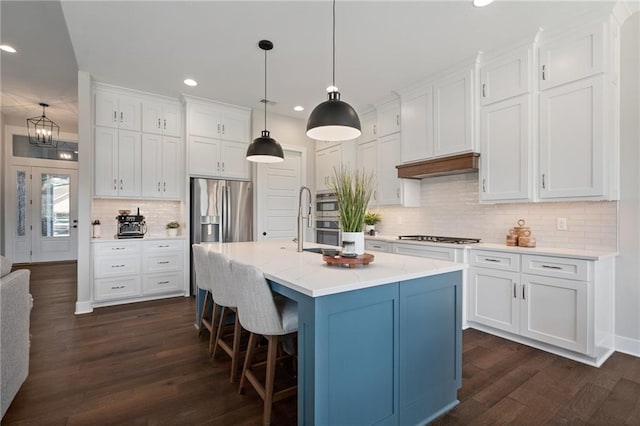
<point x="144" y="364"/>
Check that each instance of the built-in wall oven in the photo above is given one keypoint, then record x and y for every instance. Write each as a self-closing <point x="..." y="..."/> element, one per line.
<point x="327" y="223"/>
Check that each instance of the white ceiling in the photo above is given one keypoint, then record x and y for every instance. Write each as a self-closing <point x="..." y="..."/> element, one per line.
<point x="381" y="46"/>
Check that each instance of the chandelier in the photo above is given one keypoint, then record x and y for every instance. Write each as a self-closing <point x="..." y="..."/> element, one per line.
<point x="42" y="131"/>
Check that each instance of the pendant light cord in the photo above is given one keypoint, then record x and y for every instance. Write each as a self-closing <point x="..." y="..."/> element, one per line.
<point x="334" y="44"/>
<point x="265" y="90"/>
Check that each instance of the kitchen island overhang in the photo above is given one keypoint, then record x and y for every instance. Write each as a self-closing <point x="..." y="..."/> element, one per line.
<point x="379" y="344"/>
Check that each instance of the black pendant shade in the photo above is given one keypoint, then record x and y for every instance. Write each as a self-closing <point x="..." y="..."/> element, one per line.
<point x="333" y="120"/>
<point x="265" y="149"/>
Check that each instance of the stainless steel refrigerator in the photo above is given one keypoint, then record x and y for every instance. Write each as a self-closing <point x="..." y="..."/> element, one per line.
<point x="221" y="211"/>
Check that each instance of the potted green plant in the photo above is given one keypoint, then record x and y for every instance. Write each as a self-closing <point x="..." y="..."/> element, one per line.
<point x="370" y="220"/>
<point x="353" y="191"/>
<point x="172" y="228"/>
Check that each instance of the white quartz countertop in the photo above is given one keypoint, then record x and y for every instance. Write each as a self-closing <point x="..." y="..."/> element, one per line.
<point x="306" y="272"/>
<point x="147" y="237"/>
<point x="541" y="251"/>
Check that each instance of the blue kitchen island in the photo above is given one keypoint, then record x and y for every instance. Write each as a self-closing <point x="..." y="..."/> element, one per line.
<point x="379" y="344"/>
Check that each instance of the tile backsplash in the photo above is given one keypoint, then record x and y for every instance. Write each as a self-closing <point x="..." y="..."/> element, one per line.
<point x="450" y="207"/>
<point x="157" y="213"/>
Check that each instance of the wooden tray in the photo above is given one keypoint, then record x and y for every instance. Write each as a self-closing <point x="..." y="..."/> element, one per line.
<point x="351" y="262"/>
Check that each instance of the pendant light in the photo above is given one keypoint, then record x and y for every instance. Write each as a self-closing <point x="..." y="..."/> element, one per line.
<point x="333" y="119"/>
<point x="42" y="131"/>
<point x="265" y="149"/>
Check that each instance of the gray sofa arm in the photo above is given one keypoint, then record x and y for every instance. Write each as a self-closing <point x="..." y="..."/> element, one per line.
<point x="15" y="310"/>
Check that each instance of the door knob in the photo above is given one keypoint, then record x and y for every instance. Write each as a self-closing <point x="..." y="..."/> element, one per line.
<point x="264" y="234"/>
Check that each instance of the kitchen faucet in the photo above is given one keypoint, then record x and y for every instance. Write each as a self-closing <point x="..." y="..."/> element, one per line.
<point x="300" y="218"/>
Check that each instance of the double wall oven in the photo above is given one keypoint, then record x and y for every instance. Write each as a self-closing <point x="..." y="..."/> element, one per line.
<point x="327" y="223"/>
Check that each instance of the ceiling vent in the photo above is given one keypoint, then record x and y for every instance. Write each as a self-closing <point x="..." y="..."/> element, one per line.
<point x="453" y="165"/>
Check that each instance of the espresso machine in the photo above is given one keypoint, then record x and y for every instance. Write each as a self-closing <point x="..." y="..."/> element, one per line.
<point x="130" y="225"/>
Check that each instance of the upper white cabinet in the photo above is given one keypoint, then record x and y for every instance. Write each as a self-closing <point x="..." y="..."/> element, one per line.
<point x="117" y="161"/>
<point x="417" y="125"/>
<point x="438" y="117"/>
<point x="367" y="160"/>
<point x="117" y="110"/>
<point x="333" y="156"/>
<point x="391" y="189"/>
<point x="162" y="118"/>
<point x="388" y="118"/>
<point x="572" y="56"/>
<point x="369" y="126"/>
<point x="161" y="166"/>
<point x="453" y="114"/>
<point x="571" y="144"/>
<point x="218" y="139"/>
<point x="505" y="144"/>
<point x="506" y="77"/>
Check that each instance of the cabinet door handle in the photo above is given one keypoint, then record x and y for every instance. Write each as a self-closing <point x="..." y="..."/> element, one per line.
<point x="218" y="127"/>
<point x="523" y="297"/>
<point x="121" y="184"/>
<point x="115" y="116"/>
<point x="165" y="186"/>
<point x="514" y="291"/>
<point x="484" y="185"/>
<point x="398" y="119"/>
<point x="223" y="161"/>
<point x="158" y="186"/>
<point x="165" y="124"/>
<point x="375" y="195"/>
<point x="115" y="184"/>
<point x="158" y="123"/>
<point x="223" y="129"/>
<point x="544" y="77"/>
<point x="484" y="91"/>
<point x="121" y="117"/>
<point x="375" y="129"/>
<point x="543" y="183"/>
<point x="551" y="267"/>
<point x="397" y="192"/>
<point x="218" y="166"/>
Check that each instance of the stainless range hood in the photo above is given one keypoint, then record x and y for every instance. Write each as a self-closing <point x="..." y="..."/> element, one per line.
<point x="453" y="165"/>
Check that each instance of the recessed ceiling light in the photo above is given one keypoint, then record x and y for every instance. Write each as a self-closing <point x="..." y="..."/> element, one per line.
<point x="482" y="3"/>
<point x="7" y="48"/>
<point x="298" y="108"/>
<point x="190" y="82"/>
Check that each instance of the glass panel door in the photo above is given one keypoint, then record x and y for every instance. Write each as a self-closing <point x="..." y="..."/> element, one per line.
<point x="54" y="205"/>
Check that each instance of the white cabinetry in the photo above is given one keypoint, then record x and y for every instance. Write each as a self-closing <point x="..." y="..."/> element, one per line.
<point x="453" y="114"/>
<point x="563" y="302"/>
<point x="367" y="160"/>
<point x="506" y="145"/>
<point x="369" y="126"/>
<point x="161" y="166"/>
<point x="417" y="125"/>
<point x="131" y="271"/>
<point x="117" y="110"/>
<point x="428" y="251"/>
<point x="374" y="245"/>
<point x="578" y="104"/>
<point x="218" y="139"/>
<point x="391" y="189"/>
<point x="388" y="118"/>
<point x="162" y="118"/>
<point x="332" y="156"/>
<point x="506" y="76"/>
<point x="117" y="157"/>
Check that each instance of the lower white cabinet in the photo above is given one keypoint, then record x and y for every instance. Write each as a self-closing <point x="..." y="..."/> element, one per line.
<point x="431" y="252"/>
<point x="558" y="301"/>
<point x="374" y="245"/>
<point x="130" y="271"/>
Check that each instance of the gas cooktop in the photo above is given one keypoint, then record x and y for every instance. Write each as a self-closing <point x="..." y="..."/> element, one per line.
<point x="436" y="239"/>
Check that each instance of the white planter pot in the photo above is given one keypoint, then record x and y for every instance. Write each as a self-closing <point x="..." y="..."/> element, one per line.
<point x="357" y="238"/>
<point x="172" y="232"/>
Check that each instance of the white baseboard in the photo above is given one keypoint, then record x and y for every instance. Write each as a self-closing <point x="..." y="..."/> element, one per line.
<point x="85" y="307"/>
<point x="628" y="346"/>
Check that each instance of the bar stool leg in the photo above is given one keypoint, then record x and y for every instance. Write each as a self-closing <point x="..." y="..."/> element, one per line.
<point x="223" y="313"/>
<point x="251" y="347"/>
<point x="213" y="333"/>
<point x="272" y="355"/>
<point x="205" y="305"/>
<point x="237" y="330"/>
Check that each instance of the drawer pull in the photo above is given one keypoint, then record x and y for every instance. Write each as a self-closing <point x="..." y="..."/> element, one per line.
<point x="117" y="266"/>
<point x="488" y="259"/>
<point x="118" y="287"/>
<point x="551" y="267"/>
<point x="163" y="246"/>
<point x="117" y="248"/>
<point x="164" y="262"/>
<point x="163" y="282"/>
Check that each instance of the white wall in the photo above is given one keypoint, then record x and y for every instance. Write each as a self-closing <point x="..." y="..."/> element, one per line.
<point x="628" y="262"/>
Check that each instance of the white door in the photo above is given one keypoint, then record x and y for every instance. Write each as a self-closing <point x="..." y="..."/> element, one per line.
<point x="278" y="192"/>
<point x="18" y="215"/>
<point x="54" y="214"/>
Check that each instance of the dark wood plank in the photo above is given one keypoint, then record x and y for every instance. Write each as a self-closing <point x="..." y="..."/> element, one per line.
<point x="144" y="364"/>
